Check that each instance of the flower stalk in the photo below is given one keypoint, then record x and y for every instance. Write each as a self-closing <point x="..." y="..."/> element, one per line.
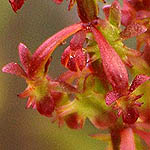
<point x="106" y="81"/>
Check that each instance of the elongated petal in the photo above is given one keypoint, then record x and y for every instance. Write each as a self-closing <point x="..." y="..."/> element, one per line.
<point x="111" y="97"/>
<point x="115" y="14"/>
<point x="133" y="29"/>
<point x="78" y="40"/>
<point x="25" y="56"/>
<point x="14" y="68"/>
<point x="113" y="66"/>
<point x="65" y="56"/>
<point x="43" y="53"/>
<point x="128" y="13"/>
<point x="106" y="10"/>
<point x="126" y="18"/>
<point x="127" y="140"/>
<point x="139" y="79"/>
<point x="25" y="93"/>
<point x="31" y="103"/>
<point x="16" y="4"/>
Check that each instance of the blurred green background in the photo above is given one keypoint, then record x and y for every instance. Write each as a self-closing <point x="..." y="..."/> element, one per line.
<point x="22" y="129"/>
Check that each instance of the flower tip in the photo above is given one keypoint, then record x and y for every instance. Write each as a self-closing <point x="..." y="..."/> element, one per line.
<point x="14" y="68"/>
<point x="58" y="1"/>
<point x="16" y="4"/>
<point x="4" y="69"/>
<point x="21" y="46"/>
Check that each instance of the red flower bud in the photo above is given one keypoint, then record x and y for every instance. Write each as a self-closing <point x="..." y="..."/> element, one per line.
<point x="130" y="115"/>
<point x="46" y="106"/>
<point x="74" y="121"/>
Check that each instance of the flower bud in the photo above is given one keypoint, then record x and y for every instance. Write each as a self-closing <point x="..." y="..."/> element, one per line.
<point x="87" y="10"/>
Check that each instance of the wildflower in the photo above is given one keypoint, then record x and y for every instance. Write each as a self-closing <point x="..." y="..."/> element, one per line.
<point x="73" y="56"/>
<point x="41" y="89"/>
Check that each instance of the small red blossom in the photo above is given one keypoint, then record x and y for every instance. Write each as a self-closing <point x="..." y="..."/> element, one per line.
<point x="37" y="90"/>
<point x="73" y="56"/>
<point x="127" y="104"/>
<point x="41" y="89"/>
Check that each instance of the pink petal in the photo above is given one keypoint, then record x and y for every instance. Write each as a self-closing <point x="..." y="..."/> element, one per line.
<point x="30" y="102"/>
<point x="106" y="10"/>
<point x="113" y="66"/>
<point x="78" y="40"/>
<point x="68" y="87"/>
<point x="144" y="135"/>
<point x="80" y="59"/>
<point x="73" y="60"/>
<point x="133" y="29"/>
<point x="127" y="140"/>
<point x="65" y="56"/>
<point x="139" y="79"/>
<point x="43" y="53"/>
<point x="14" y="68"/>
<point x="16" y="4"/>
<point x="25" y="56"/>
<point x="25" y="93"/>
<point x="128" y="13"/>
<point x="126" y="18"/>
<point x="68" y="76"/>
<point x="111" y="97"/>
<point x="68" y="59"/>
<point x="58" y="1"/>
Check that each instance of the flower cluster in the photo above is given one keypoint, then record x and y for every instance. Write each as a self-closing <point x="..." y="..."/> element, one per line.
<point x="97" y="84"/>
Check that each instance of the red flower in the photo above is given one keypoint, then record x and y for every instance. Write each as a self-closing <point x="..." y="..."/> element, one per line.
<point x="41" y="89"/>
<point x="117" y="75"/>
<point x="127" y="103"/>
<point x="73" y="56"/>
